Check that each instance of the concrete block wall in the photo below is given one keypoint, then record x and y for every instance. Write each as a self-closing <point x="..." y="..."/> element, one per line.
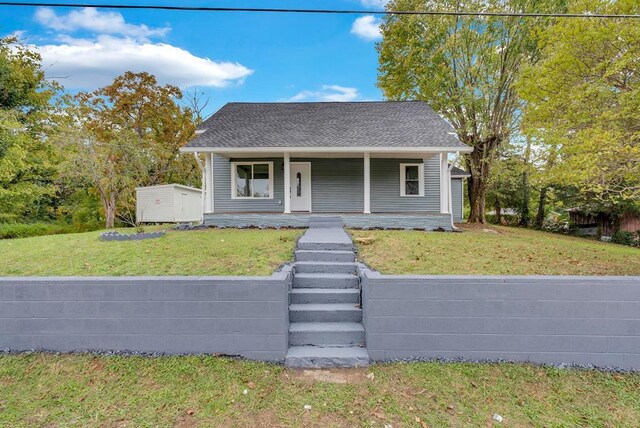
<point x="244" y="316"/>
<point x="541" y="319"/>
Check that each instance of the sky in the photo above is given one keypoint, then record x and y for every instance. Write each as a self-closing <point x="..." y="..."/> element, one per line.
<point x="229" y="56"/>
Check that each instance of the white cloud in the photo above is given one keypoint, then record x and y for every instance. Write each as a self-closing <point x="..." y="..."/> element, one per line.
<point x="328" y="93"/>
<point x="91" y="19"/>
<point x="90" y="63"/>
<point x="367" y="27"/>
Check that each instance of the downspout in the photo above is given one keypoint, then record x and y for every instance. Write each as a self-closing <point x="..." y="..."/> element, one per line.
<point x="449" y="169"/>
<point x="203" y="184"/>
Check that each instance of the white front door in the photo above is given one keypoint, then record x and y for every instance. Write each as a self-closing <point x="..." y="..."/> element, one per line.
<point x="301" y="186"/>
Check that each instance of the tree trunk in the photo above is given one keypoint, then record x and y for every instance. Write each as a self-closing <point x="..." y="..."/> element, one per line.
<point x="524" y="211"/>
<point x="109" y="204"/>
<point x="479" y="163"/>
<point x="498" y="209"/>
<point x="541" y="207"/>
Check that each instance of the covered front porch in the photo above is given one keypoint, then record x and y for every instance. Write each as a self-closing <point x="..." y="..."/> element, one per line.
<point x="377" y="188"/>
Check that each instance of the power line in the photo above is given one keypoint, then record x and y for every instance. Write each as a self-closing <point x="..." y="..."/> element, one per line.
<point x="320" y="11"/>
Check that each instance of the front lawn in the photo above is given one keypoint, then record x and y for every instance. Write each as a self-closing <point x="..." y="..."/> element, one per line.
<point x="84" y="390"/>
<point x="198" y="252"/>
<point x="491" y="250"/>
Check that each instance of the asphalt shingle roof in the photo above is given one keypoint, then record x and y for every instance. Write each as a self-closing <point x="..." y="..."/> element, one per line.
<point x="326" y="124"/>
<point x="455" y="171"/>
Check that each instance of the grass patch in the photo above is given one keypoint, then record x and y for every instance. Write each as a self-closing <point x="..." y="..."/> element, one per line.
<point x="503" y="251"/>
<point x="84" y="390"/>
<point x="201" y="252"/>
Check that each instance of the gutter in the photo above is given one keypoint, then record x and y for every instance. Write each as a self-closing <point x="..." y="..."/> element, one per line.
<point x="449" y="169"/>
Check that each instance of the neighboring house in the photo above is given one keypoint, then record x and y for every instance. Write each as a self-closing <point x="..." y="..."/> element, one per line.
<point x="458" y="177"/>
<point x="603" y="223"/>
<point x="376" y="164"/>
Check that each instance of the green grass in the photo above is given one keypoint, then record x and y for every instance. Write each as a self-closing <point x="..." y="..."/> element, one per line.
<point x="202" y="252"/>
<point x="84" y="390"/>
<point x="508" y="251"/>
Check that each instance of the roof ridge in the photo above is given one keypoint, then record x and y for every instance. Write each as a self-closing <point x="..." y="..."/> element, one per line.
<point x="326" y="102"/>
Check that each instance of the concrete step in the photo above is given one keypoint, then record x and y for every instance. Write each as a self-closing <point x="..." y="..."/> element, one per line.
<point x="325" y="256"/>
<point x="324" y="222"/>
<point x="325" y="267"/>
<point x="325" y="280"/>
<point x="319" y="357"/>
<point x="325" y="312"/>
<point x="325" y="295"/>
<point x="325" y="246"/>
<point x="324" y="333"/>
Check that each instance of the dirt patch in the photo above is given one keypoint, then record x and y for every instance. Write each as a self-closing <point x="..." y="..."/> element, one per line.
<point x="341" y="376"/>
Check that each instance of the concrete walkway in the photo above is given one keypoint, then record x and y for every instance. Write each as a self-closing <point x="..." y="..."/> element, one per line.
<point x="326" y="327"/>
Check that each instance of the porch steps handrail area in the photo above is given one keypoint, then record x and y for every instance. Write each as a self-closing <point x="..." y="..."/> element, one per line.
<point x="325" y="310"/>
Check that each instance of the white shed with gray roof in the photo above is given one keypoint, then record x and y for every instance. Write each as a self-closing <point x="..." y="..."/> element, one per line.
<point x="168" y="203"/>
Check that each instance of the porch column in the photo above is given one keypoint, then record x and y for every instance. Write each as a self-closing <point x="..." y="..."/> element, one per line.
<point x="445" y="183"/>
<point x="208" y="183"/>
<point x="367" y="183"/>
<point x="287" y="184"/>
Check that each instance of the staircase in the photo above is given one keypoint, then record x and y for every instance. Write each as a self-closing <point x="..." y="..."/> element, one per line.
<point x="324" y="304"/>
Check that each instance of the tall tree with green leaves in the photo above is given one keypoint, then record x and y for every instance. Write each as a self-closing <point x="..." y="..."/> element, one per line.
<point x="27" y="159"/>
<point x="583" y="100"/>
<point x="465" y="68"/>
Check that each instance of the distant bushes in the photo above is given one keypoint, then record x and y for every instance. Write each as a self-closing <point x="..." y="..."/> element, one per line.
<point x="626" y="238"/>
<point x="25" y="230"/>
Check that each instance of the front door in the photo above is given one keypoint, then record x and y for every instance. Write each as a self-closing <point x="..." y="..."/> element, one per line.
<point x="301" y="186"/>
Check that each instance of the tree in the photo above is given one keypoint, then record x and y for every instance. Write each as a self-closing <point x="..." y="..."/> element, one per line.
<point x="128" y="134"/>
<point x="465" y="68"/>
<point x="27" y="159"/>
<point x="583" y="100"/>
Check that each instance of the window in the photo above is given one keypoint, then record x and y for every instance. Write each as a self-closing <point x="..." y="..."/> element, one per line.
<point x="252" y="180"/>
<point x="299" y="185"/>
<point x="411" y="179"/>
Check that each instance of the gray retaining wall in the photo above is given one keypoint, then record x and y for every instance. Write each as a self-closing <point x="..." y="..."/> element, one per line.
<point x="541" y="319"/>
<point x="245" y="316"/>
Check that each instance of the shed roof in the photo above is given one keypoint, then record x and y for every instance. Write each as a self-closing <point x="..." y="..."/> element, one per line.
<point x="459" y="173"/>
<point x="380" y="125"/>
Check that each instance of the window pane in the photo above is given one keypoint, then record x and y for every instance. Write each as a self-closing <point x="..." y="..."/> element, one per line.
<point x="411" y="172"/>
<point x="298" y="184"/>
<point x="411" y="187"/>
<point x="261" y="180"/>
<point x="243" y="181"/>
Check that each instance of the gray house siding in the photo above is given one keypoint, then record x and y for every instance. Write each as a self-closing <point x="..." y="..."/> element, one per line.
<point x="222" y="189"/>
<point x="337" y="186"/>
<point x="385" y="187"/>
<point x="456" y="199"/>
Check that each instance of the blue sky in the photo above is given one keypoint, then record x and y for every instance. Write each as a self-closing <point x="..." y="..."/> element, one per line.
<point x="229" y="56"/>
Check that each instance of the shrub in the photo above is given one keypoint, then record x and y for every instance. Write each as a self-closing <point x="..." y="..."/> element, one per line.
<point x="24" y="230"/>
<point x="626" y="238"/>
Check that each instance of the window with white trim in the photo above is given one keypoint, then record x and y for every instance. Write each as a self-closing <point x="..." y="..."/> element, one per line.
<point x="252" y="180"/>
<point x="412" y="179"/>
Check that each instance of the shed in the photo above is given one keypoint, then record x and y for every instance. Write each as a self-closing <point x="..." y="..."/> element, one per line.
<point x="168" y="203"/>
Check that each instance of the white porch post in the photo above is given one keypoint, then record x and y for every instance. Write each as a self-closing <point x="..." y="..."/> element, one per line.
<point x="287" y="184"/>
<point x="208" y="185"/>
<point x="367" y="183"/>
<point x="445" y="183"/>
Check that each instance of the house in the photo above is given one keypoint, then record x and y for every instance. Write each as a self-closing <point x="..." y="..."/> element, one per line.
<point x="458" y="176"/>
<point x="603" y="223"/>
<point x="375" y="164"/>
